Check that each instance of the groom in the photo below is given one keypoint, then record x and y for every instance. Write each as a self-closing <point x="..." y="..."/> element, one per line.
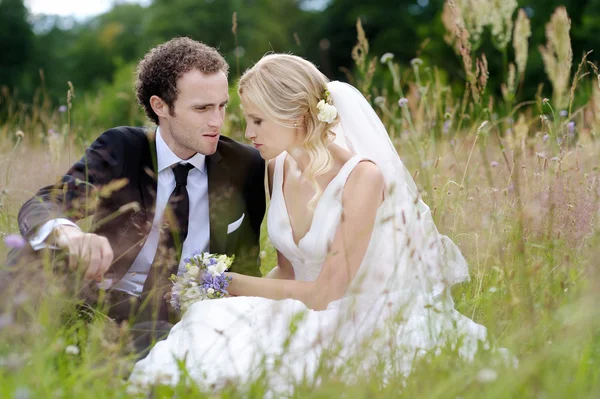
<point x="157" y="196"/>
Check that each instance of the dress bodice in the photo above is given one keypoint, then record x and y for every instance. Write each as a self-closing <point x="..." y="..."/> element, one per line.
<point x="307" y="257"/>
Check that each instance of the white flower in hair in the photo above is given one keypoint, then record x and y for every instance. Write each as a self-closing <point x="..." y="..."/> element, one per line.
<point x="327" y="112"/>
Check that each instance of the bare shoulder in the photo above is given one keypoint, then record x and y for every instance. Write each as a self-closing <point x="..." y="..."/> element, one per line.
<point x="365" y="185"/>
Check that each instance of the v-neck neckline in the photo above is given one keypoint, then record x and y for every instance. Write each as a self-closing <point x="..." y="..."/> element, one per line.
<point x="325" y="191"/>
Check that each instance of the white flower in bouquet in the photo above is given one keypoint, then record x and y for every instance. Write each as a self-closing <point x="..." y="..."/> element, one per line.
<point x="193" y="271"/>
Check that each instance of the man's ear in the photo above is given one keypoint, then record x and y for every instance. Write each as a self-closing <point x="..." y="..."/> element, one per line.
<point x="159" y="107"/>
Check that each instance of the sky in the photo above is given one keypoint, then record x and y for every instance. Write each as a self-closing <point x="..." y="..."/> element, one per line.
<point x="76" y="8"/>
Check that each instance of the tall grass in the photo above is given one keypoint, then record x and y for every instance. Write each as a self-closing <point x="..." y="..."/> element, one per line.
<point x="515" y="185"/>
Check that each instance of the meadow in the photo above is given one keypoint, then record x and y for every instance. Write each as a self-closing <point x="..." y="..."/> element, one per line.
<point x="516" y="184"/>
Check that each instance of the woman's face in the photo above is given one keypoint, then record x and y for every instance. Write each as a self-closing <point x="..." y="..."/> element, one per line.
<point x="268" y="137"/>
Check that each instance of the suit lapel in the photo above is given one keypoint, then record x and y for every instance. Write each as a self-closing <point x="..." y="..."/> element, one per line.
<point x="219" y="191"/>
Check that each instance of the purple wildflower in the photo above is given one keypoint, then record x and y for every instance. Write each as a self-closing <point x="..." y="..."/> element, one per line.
<point x="571" y="127"/>
<point x="62" y="109"/>
<point x="546" y="137"/>
<point x="563" y="113"/>
<point x="494" y="164"/>
<point x="403" y="101"/>
<point x="446" y="127"/>
<point x="15" y="241"/>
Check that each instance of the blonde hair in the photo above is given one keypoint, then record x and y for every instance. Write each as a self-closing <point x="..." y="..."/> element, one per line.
<point x="287" y="88"/>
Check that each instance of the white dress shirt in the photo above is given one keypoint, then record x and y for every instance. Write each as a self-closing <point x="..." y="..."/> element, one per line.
<point x="198" y="225"/>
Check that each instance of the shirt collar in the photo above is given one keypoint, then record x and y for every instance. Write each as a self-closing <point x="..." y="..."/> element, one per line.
<point x="166" y="158"/>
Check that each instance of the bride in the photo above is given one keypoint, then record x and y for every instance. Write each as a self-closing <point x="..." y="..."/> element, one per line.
<point x="360" y="263"/>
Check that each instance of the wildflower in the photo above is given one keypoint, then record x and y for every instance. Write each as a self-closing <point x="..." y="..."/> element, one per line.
<point x="62" y="109"/>
<point x="571" y="127"/>
<point x="487" y="375"/>
<point x="379" y="100"/>
<point x="494" y="164"/>
<point x="387" y="57"/>
<point x="15" y="241"/>
<point x="403" y="101"/>
<point x="563" y="113"/>
<point x="72" y="350"/>
<point x="416" y="62"/>
<point x="20" y="134"/>
<point x="545" y="101"/>
<point x="446" y="127"/>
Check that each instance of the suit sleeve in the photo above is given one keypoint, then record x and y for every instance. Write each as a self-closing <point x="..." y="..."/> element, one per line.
<point x="70" y="197"/>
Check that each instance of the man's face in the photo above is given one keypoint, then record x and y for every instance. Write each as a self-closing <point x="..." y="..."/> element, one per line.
<point x="199" y="111"/>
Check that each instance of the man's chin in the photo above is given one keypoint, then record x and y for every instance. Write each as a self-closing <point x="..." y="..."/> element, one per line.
<point x="208" y="148"/>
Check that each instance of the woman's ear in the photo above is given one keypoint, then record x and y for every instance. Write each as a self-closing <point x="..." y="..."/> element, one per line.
<point x="159" y="107"/>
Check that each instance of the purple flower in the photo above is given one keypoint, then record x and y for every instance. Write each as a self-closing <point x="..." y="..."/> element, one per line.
<point x="189" y="260"/>
<point x="571" y="126"/>
<point x="447" y="125"/>
<point x="563" y="113"/>
<point x="494" y="164"/>
<point x="14" y="241"/>
<point x="546" y="137"/>
<point x="403" y="101"/>
<point x="218" y="283"/>
<point x="62" y="109"/>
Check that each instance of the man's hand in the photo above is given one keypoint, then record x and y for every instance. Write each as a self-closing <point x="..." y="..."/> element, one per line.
<point x="91" y="250"/>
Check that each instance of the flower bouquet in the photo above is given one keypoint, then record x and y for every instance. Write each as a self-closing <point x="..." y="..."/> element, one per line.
<point x="203" y="279"/>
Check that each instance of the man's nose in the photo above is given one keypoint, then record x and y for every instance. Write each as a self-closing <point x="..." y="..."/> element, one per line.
<point x="216" y="119"/>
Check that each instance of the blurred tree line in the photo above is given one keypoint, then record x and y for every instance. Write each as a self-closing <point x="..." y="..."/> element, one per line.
<point x="40" y="54"/>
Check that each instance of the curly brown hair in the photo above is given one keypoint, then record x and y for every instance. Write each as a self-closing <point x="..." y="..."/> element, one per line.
<point x="163" y="65"/>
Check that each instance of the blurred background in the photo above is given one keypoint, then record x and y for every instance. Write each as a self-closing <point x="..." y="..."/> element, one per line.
<point x="95" y="45"/>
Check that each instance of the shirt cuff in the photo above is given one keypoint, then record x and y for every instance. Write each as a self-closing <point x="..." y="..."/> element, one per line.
<point x="38" y="241"/>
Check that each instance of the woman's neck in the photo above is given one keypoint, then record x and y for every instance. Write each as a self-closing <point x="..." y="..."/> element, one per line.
<point x="300" y="157"/>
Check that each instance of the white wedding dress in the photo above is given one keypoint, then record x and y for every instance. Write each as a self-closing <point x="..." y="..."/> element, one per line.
<point x="238" y="339"/>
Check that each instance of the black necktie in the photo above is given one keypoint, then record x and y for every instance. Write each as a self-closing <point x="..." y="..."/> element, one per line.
<point x="168" y="253"/>
<point x="179" y="203"/>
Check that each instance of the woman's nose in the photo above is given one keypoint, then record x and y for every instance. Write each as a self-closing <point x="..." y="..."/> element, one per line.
<point x="250" y="135"/>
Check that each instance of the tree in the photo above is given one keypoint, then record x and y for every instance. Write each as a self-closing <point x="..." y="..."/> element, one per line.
<point x="16" y="41"/>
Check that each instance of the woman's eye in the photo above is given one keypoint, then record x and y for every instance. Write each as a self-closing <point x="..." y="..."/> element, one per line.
<point x="257" y="122"/>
